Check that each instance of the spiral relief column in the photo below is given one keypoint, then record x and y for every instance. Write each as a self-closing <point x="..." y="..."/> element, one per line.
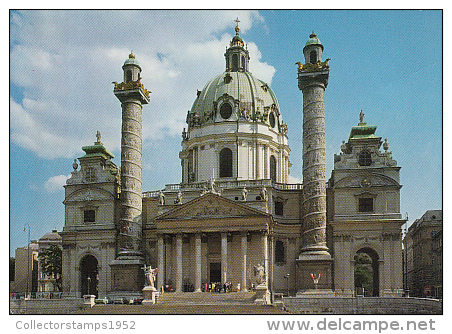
<point x="314" y="258"/>
<point x="126" y="269"/>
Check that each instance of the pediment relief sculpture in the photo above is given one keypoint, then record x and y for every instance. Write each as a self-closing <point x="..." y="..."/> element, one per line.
<point x="365" y="181"/>
<point x="209" y="205"/>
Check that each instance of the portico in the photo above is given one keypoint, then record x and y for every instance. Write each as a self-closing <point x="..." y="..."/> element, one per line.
<point x="207" y="234"/>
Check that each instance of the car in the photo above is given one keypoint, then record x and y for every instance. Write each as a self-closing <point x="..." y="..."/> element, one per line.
<point x="102" y="301"/>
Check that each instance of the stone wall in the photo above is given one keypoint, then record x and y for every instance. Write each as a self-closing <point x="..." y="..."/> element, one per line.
<point x="371" y="305"/>
<point x="45" y="306"/>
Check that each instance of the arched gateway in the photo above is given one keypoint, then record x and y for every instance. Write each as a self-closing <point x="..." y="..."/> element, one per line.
<point x="367" y="273"/>
<point x="89" y="275"/>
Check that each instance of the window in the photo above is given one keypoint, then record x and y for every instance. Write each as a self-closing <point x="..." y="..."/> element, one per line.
<point x="280" y="252"/>
<point x="313" y="57"/>
<point x="225" y="162"/>
<point x="272" y="120"/>
<point x="225" y="110"/>
<point x="235" y="62"/>
<point x="366" y="204"/>
<point x="90" y="174"/>
<point x="273" y="168"/>
<point x="279" y="208"/>
<point x="243" y="62"/>
<point x="89" y="216"/>
<point x="128" y="76"/>
<point x="365" y="158"/>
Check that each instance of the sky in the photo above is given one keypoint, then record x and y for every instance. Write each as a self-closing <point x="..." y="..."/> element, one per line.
<point x="63" y="63"/>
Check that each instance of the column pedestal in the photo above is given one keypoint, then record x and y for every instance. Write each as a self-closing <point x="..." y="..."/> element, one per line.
<point x="149" y="293"/>
<point x="316" y="266"/>
<point x="127" y="276"/>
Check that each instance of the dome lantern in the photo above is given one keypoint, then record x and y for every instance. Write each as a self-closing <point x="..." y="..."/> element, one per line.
<point x="237" y="56"/>
<point x="313" y="49"/>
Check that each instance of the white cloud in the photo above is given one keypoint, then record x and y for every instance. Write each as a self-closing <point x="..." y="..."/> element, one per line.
<point x="294" y="180"/>
<point x="63" y="63"/>
<point x="56" y="183"/>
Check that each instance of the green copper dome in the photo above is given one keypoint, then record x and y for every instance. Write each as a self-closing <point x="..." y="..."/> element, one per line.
<point x="313" y="40"/>
<point x="132" y="61"/>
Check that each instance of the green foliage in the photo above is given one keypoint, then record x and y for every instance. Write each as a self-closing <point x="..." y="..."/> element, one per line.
<point x="12" y="268"/>
<point x="364" y="272"/>
<point x="51" y="262"/>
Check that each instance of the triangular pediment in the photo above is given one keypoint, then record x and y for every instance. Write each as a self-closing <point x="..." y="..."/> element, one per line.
<point x="211" y="206"/>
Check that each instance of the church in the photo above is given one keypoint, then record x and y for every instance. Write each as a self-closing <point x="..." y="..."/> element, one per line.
<point x="234" y="219"/>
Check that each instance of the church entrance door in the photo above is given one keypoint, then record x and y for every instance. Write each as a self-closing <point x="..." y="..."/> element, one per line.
<point x="215" y="272"/>
<point x="89" y="275"/>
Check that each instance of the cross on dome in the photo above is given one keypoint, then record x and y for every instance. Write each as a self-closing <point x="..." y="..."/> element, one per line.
<point x="237" y="29"/>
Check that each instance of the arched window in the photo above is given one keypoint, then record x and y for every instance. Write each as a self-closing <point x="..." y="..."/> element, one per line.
<point x="313" y="57"/>
<point x="128" y="76"/>
<point x="365" y="159"/>
<point x="243" y="63"/>
<point x="235" y="62"/>
<point x="273" y="168"/>
<point x="225" y="162"/>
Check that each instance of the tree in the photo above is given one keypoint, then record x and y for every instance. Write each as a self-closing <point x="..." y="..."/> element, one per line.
<point x="51" y="262"/>
<point x="12" y="268"/>
<point x="364" y="272"/>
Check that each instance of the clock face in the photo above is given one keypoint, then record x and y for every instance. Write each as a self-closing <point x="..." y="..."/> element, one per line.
<point x="225" y="110"/>
<point x="365" y="183"/>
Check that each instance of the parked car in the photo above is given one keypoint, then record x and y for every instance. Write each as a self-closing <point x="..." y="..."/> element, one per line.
<point x="102" y="301"/>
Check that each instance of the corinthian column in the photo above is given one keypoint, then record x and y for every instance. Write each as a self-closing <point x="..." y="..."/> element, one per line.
<point x="198" y="262"/>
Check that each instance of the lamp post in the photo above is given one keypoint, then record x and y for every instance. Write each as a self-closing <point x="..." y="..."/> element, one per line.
<point x="27" y="296"/>
<point x="287" y="278"/>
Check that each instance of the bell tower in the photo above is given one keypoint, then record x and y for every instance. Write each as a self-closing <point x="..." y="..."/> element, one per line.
<point x="126" y="269"/>
<point x="314" y="260"/>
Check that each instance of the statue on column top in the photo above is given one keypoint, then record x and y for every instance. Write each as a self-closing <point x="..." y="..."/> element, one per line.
<point x="361" y="117"/>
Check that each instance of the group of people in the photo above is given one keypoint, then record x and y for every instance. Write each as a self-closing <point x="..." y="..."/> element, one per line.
<point x="218" y="287"/>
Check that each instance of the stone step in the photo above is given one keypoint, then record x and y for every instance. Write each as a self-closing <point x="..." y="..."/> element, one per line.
<point x="181" y="309"/>
<point x="206" y="298"/>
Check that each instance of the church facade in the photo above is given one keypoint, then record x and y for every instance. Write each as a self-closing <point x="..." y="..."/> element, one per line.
<point x="234" y="219"/>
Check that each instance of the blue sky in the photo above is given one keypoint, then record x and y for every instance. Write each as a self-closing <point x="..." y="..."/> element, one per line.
<point x="62" y="63"/>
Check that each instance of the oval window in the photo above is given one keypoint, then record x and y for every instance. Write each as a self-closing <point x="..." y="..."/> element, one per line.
<point x="272" y="120"/>
<point x="225" y="110"/>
